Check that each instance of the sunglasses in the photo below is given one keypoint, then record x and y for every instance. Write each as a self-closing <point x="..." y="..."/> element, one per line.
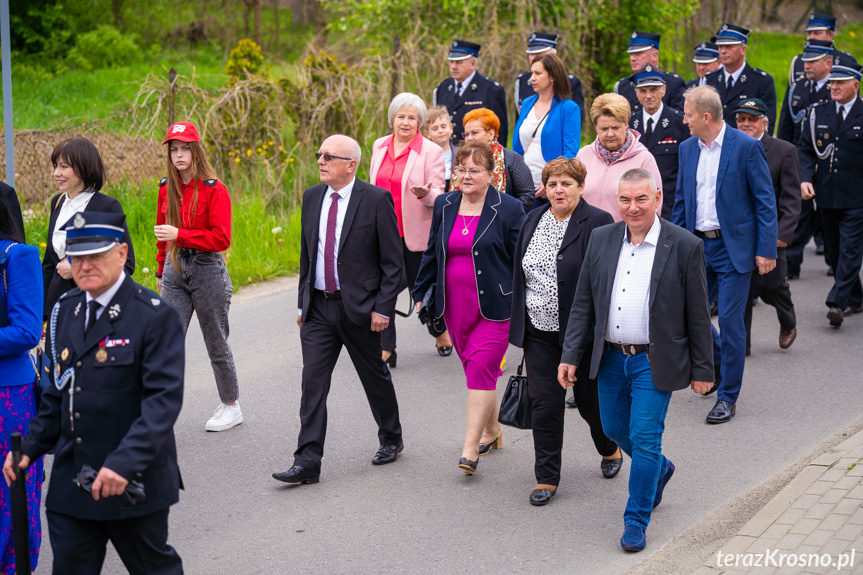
<point x="330" y="157"/>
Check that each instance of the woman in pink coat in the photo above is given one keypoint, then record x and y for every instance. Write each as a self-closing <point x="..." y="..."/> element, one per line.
<point x="412" y="169"/>
<point x="615" y="150"/>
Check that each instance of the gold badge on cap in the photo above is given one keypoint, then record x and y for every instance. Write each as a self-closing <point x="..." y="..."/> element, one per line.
<point x="64" y="355"/>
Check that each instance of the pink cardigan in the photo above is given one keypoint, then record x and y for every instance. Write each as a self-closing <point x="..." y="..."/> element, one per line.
<point x="427" y="166"/>
<point x="600" y="186"/>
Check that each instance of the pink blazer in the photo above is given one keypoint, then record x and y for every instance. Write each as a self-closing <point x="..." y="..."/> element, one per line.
<point x="427" y="166"/>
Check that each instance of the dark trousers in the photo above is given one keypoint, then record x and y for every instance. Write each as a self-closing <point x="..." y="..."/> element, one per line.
<point x="843" y="244"/>
<point x="542" y="353"/>
<point x="141" y="542"/>
<point x="327" y="328"/>
<point x="808" y="225"/>
<point x="412" y="268"/>
<point x="773" y="290"/>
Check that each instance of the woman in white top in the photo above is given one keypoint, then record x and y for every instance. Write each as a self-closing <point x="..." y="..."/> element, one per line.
<point x="79" y="174"/>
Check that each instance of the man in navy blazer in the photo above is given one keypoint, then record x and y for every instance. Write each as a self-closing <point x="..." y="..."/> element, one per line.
<point x="725" y="196"/>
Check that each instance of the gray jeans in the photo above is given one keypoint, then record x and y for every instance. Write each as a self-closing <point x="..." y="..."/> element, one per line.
<point x="204" y="287"/>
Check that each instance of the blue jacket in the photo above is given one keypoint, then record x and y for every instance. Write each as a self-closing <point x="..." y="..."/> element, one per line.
<point x="494" y="252"/>
<point x="24" y="301"/>
<point x="745" y="200"/>
<point x="561" y="134"/>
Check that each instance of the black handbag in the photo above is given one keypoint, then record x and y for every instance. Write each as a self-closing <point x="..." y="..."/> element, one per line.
<point x="516" y="409"/>
<point x="426" y="314"/>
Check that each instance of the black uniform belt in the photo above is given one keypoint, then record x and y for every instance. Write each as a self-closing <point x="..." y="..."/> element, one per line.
<point x="628" y="348"/>
<point x="335" y="295"/>
<point x="712" y="234"/>
<point x="189" y="252"/>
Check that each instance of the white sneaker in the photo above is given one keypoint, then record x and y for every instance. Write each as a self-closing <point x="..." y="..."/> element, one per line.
<point x="225" y="417"/>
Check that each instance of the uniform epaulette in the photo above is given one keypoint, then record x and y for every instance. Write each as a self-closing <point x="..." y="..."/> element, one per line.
<point x="496" y="83"/>
<point x="759" y="71"/>
<point x="571" y="76"/>
<point x="163" y="181"/>
<point x="149" y="297"/>
<point x="211" y="183"/>
<point x="522" y="74"/>
<point x="675" y="111"/>
<point x="673" y="74"/>
<point x="72" y="292"/>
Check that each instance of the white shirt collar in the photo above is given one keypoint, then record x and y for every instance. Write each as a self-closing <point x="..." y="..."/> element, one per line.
<point x="345" y="192"/>
<point x="654" y="116"/>
<point x="652" y="236"/>
<point x="109" y="294"/>
<point x="761" y="137"/>
<point x="736" y="74"/>
<point x="847" y="107"/>
<point x="81" y="199"/>
<point x="717" y="142"/>
<point x="820" y="83"/>
<point x="467" y="81"/>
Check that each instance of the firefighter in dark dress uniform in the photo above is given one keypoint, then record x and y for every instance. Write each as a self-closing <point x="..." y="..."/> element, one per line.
<point x="706" y="60"/>
<point x="643" y="50"/>
<point x="540" y="43"/>
<point x="468" y="90"/>
<point x="116" y="391"/>
<point x="819" y="27"/>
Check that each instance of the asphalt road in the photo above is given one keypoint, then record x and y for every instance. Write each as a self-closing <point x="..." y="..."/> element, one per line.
<point x="422" y="514"/>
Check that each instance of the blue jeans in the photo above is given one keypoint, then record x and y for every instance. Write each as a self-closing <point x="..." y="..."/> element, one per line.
<point x="633" y="412"/>
<point x="732" y="289"/>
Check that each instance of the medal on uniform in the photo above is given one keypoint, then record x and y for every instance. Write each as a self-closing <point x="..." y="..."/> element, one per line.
<point x="102" y="355"/>
<point x="64" y="355"/>
<point x="820" y="143"/>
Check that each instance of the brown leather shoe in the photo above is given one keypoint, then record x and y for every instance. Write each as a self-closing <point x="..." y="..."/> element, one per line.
<point x="786" y="338"/>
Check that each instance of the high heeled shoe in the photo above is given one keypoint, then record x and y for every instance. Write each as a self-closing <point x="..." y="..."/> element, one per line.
<point x="467" y="465"/>
<point x="444" y="350"/>
<point x="496" y="443"/>
<point x="391" y="360"/>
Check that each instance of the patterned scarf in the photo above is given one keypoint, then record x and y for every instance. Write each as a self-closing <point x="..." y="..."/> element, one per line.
<point x="498" y="174"/>
<point x="610" y="157"/>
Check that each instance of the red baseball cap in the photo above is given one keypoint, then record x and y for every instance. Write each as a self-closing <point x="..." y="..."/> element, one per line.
<point x="183" y="131"/>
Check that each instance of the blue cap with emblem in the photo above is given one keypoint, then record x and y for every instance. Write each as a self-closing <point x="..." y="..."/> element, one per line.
<point x="94" y="232"/>
<point x="462" y="49"/>
<point x="641" y="41"/>
<point x="731" y="34"/>
<point x="848" y="70"/>
<point x="817" y="49"/>
<point x="541" y="42"/>
<point x="821" y="22"/>
<point x="706" y="52"/>
<point x="647" y="76"/>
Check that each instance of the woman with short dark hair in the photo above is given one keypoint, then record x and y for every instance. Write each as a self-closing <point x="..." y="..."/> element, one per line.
<point x="468" y="263"/>
<point x="80" y="175"/>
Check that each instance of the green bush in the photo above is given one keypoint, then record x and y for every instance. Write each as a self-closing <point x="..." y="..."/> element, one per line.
<point x="245" y="60"/>
<point x="104" y="47"/>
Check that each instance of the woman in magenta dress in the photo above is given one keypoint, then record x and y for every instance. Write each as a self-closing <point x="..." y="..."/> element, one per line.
<point x="469" y="262"/>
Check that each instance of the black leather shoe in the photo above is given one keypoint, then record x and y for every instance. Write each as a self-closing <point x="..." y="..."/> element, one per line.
<point x="391" y="360"/>
<point x="297" y="475"/>
<point x="830" y="272"/>
<point x="388" y="453"/>
<point x="444" y="350"/>
<point x="819" y="250"/>
<point x="611" y="467"/>
<point x="496" y="443"/>
<point x="851" y="310"/>
<point x="571" y="402"/>
<point x="540" y="497"/>
<point x="836" y="316"/>
<point x="467" y="465"/>
<point x="722" y="412"/>
<point x="792" y="276"/>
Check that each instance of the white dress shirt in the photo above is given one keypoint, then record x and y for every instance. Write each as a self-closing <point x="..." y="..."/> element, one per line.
<point x="820" y="83"/>
<point x="706" y="218"/>
<point x="464" y="84"/>
<point x="345" y="195"/>
<point x="447" y="161"/>
<point x="103" y="299"/>
<point x="533" y="153"/>
<point x="847" y="107"/>
<point x="645" y="116"/>
<point x="629" y="305"/>
<point x="67" y="210"/>
<point x="735" y="75"/>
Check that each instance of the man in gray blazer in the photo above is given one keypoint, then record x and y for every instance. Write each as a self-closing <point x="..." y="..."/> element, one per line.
<point x="642" y="294"/>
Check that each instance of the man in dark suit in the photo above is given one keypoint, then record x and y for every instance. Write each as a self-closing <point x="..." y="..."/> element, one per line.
<point x="785" y="173"/>
<point x="819" y="27"/>
<point x="540" y="43"/>
<point x="351" y="272"/>
<point x="706" y="60"/>
<point x="643" y="50"/>
<point x="830" y="150"/>
<point x="725" y="196"/>
<point x="643" y="292"/>
<point x="736" y="80"/>
<point x="661" y="127"/>
<point x="118" y="389"/>
<point x="11" y="198"/>
<point x="468" y="90"/>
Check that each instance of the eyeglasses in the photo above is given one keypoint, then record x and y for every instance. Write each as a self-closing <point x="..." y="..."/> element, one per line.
<point x="330" y="157"/>
<point x="472" y="173"/>
<point x="93" y="259"/>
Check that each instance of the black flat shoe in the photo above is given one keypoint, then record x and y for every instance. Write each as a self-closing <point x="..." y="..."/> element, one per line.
<point x="540" y="497"/>
<point x="496" y="443"/>
<point x="444" y="350"/>
<point x="388" y="453"/>
<point x="571" y="402"/>
<point x="467" y="465"/>
<point x="836" y="315"/>
<point x="297" y="475"/>
<point x="722" y="412"/>
<point x="391" y="360"/>
<point x="611" y="467"/>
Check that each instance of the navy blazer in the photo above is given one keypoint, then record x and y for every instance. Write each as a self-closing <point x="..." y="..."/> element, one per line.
<point x="493" y="252"/>
<point x="24" y="309"/>
<point x="745" y="201"/>
<point x="570" y="256"/>
<point x="681" y="344"/>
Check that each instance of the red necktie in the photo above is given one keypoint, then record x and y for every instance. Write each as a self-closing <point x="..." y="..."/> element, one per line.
<point x="330" y="246"/>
